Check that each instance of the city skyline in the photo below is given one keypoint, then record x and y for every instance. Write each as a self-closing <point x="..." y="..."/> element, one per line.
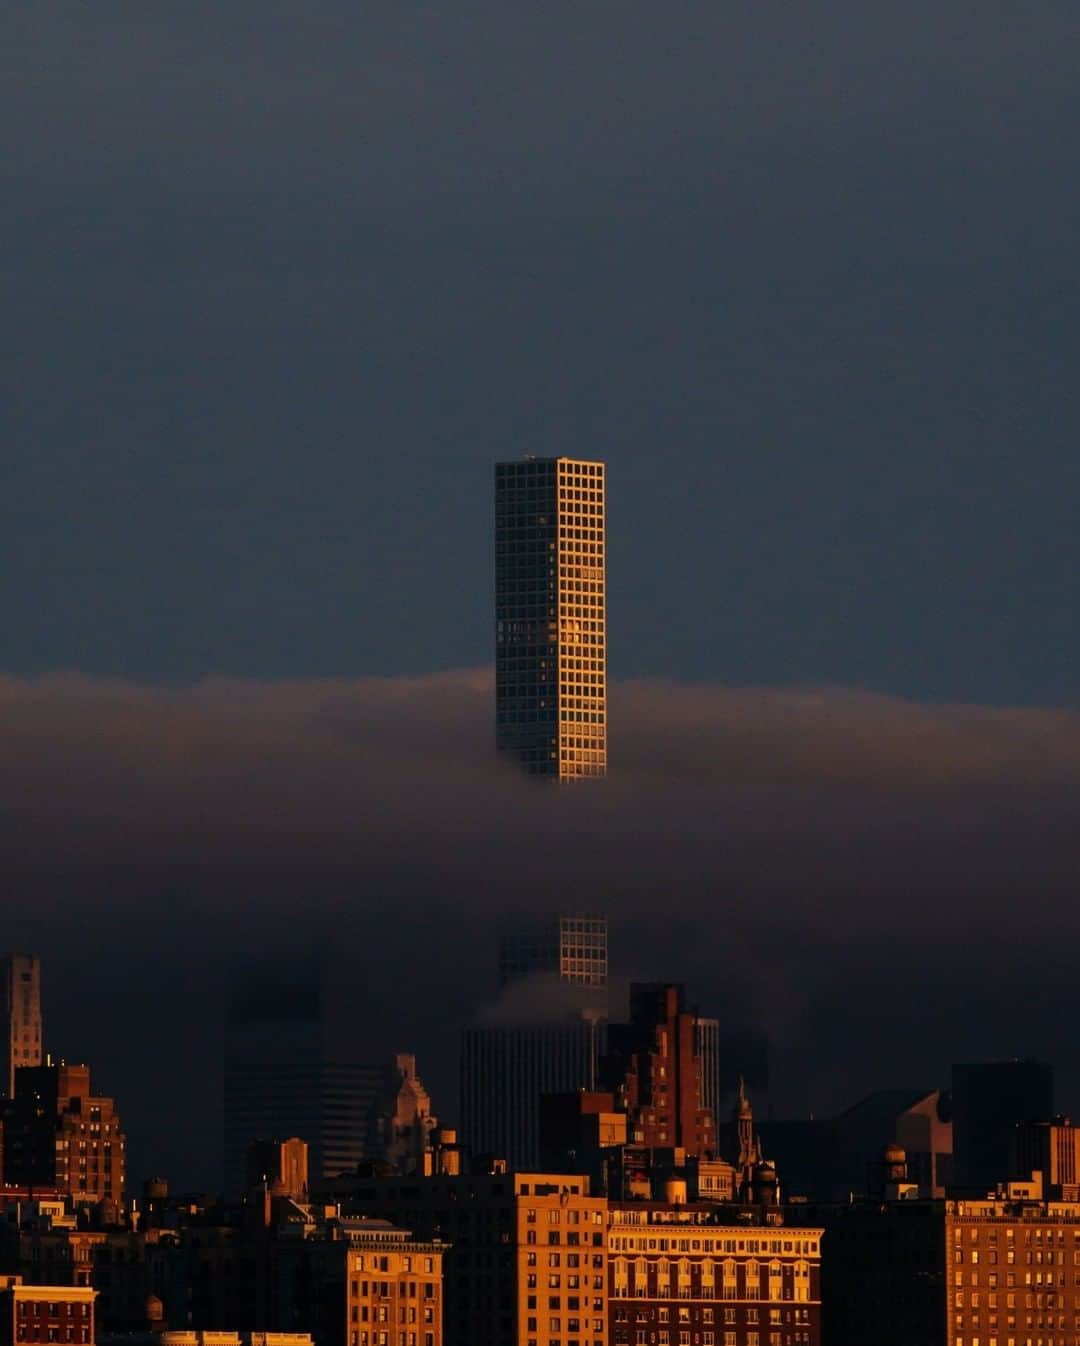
<point x="812" y="314"/>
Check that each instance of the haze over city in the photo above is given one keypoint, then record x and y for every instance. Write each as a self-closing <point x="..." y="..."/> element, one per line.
<point x="283" y="285"/>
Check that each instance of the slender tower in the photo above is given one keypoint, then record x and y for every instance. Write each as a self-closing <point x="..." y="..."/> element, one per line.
<point x="20" y="1016"/>
<point x="550" y="617"/>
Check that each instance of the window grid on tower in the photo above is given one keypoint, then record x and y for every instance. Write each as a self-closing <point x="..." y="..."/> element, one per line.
<point x="551" y="655"/>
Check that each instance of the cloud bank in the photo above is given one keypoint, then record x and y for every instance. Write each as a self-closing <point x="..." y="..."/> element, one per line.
<point x="879" y="886"/>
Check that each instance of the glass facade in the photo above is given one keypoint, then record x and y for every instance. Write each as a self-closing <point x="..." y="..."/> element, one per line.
<point x="550" y="617"/>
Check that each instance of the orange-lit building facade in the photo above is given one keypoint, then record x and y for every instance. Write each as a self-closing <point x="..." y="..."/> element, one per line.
<point x="684" y="1275"/>
<point x="654" y="1067"/>
<point x="392" y="1287"/>
<point x="58" y="1134"/>
<point x="528" y="1261"/>
<point x="20" y="1016"/>
<point x="45" y="1313"/>
<point x="550" y="616"/>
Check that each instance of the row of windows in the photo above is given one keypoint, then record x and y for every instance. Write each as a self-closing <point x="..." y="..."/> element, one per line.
<point x="773" y="1247"/>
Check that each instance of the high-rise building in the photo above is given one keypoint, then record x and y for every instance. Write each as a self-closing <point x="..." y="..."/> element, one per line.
<point x="654" y="1065"/>
<point x="550" y="623"/>
<point x="548" y="1040"/>
<point x="282" y="1078"/>
<point x="506" y="1071"/>
<point x="20" y="1016"/>
<point x="572" y="946"/>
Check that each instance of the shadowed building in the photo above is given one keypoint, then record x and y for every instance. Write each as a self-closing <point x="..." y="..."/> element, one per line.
<point x="550" y="617"/>
<point x="506" y="1071"/>
<point x="989" y="1100"/>
<point x="401" y="1123"/>
<point x="572" y="946"/>
<point x="831" y="1158"/>
<point x="280" y="1077"/>
<point x="20" y="1016"/>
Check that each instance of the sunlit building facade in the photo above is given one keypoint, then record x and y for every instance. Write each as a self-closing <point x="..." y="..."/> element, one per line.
<point x="20" y="1016"/>
<point x="550" y="622"/>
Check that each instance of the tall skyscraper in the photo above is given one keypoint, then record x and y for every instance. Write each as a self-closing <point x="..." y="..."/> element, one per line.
<point x="550" y="623"/>
<point x="20" y="1016"/>
<point x="571" y="945"/>
<point x="505" y="1071"/>
<point x="547" y="1040"/>
<point x="281" y="1079"/>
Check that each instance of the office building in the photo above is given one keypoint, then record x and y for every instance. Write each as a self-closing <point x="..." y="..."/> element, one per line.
<point x="547" y="1037"/>
<point x="282" y="1076"/>
<point x="59" y="1135"/>
<point x="572" y="946"/>
<point x="989" y="1099"/>
<point x="550" y="617"/>
<point x="505" y="1071"/>
<point x="684" y="1273"/>
<point x="20" y="1016"/>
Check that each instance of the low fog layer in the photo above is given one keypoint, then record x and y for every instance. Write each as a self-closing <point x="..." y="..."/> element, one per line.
<point x="878" y="886"/>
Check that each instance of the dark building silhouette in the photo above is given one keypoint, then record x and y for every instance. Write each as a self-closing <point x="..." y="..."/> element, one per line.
<point x="282" y="1077"/>
<point x="505" y="1071"/>
<point x="989" y="1099"/>
<point x="828" y="1158"/>
<point x="546" y="1034"/>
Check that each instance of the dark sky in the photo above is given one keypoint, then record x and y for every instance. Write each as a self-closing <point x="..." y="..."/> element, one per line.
<point x="281" y="281"/>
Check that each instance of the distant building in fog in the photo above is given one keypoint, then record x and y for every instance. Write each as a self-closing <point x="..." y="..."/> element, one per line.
<point x="506" y="1071"/>
<point x="280" y="1077"/>
<point x="832" y="1158"/>
<point x="989" y="1099"/>
<point x="401" y="1122"/>
<point x="20" y="1016"/>
<point x="546" y="1034"/>
<point x="572" y="946"/>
